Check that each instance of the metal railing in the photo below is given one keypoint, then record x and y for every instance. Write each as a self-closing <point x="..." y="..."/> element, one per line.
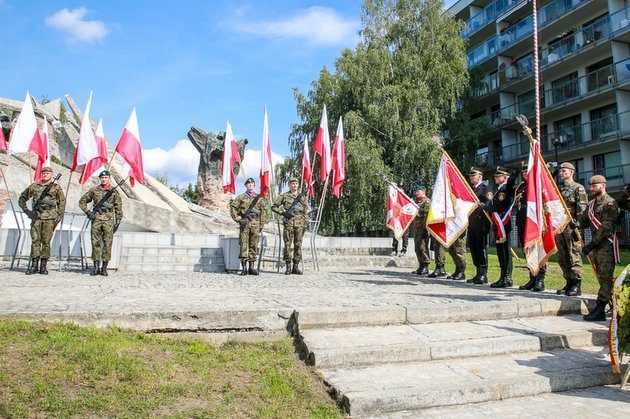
<point x="616" y="176"/>
<point x="597" y="130"/>
<point x="487" y="14"/>
<point x="499" y="42"/>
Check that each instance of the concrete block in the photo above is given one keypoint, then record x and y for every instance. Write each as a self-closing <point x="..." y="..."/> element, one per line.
<point x="350" y="316"/>
<point x="560" y="306"/>
<point x="462" y="312"/>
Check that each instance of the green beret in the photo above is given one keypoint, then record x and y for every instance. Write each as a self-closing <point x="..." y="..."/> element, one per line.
<point x="104" y="173"/>
<point x="421" y="188"/>
<point x="250" y="180"/>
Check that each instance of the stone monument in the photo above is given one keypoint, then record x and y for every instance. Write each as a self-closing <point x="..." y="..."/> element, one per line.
<point x="210" y="147"/>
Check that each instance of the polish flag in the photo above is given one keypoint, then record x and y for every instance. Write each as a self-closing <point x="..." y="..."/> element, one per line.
<point x="3" y="141"/>
<point x="25" y="130"/>
<point x="230" y="157"/>
<point x="130" y="150"/>
<point x="41" y="148"/>
<point x="322" y="146"/>
<point x="87" y="149"/>
<point x="307" y="175"/>
<point x="401" y="211"/>
<point x="339" y="160"/>
<point x="266" y="166"/>
<point x="99" y="161"/>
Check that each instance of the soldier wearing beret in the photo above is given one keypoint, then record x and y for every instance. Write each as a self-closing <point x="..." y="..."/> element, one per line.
<point x="479" y="227"/>
<point x="248" y="210"/>
<point x="420" y="233"/>
<point x="600" y="216"/>
<point x="293" y="207"/>
<point x="568" y="242"/>
<point x="106" y="215"/>
<point x="48" y="202"/>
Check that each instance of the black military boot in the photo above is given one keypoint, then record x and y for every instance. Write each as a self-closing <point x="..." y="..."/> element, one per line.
<point x="252" y="270"/>
<point x="539" y="286"/>
<point x="424" y="269"/>
<point x="503" y="282"/>
<point x="597" y="314"/>
<point x="450" y="276"/>
<point x="459" y="275"/>
<point x="287" y="270"/>
<point x="575" y="290"/>
<point x="104" y="268"/>
<point x="566" y="287"/>
<point x="481" y="279"/>
<point x="530" y="284"/>
<point x="34" y="268"/>
<point x="474" y="278"/>
<point x="243" y="267"/>
<point x="42" y="266"/>
<point x="438" y="273"/>
<point x="96" y="270"/>
<point x="296" y="268"/>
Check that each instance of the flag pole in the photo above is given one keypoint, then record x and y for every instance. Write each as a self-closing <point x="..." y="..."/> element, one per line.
<point x="63" y="218"/>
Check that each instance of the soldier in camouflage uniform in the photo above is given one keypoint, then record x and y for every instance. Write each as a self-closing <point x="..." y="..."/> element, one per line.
<point x="601" y="216"/>
<point x="105" y="221"/>
<point x="420" y="233"/>
<point x="294" y="225"/>
<point x="44" y="219"/>
<point x="457" y="252"/>
<point x="567" y="242"/>
<point x="251" y="221"/>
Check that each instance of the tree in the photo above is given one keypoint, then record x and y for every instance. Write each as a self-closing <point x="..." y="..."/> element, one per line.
<point x="396" y="90"/>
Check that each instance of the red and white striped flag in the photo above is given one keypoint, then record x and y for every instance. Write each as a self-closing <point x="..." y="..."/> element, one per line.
<point x="307" y="174"/>
<point x="3" y="141"/>
<point x="99" y="161"/>
<point x="266" y="166"/>
<point x="130" y="149"/>
<point x="87" y="149"/>
<point x="322" y="146"/>
<point x="339" y="160"/>
<point x="546" y="214"/>
<point x="40" y="146"/>
<point x="230" y="157"/>
<point x="401" y="211"/>
<point x="25" y="130"/>
<point x="451" y="203"/>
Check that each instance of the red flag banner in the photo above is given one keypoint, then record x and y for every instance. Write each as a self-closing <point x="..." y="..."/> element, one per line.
<point x="130" y="150"/>
<point x="401" y="210"/>
<point x="231" y="156"/>
<point x="3" y="141"/>
<point x="322" y="146"/>
<point x="307" y="174"/>
<point x="99" y="161"/>
<point x="266" y="168"/>
<point x="339" y="160"/>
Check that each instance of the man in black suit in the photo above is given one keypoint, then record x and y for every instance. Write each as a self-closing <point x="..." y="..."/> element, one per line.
<point x="478" y="227"/>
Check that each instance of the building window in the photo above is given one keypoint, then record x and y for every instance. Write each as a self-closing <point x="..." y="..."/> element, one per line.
<point x="600" y="74"/>
<point x="604" y="122"/>
<point x="527" y="103"/>
<point x="608" y="165"/>
<point x="579" y="175"/>
<point x="565" y="88"/>
<point x="568" y="130"/>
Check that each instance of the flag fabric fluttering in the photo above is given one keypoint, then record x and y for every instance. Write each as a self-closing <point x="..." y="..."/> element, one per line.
<point x="41" y="148"/>
<point x="322" y="146"/>
<point x="307" y="174"/>
<point x="451" y="203"/>
<point x="130" y="150"/>
<point x="99" y="161"/>
<point x="266" y="168"/>
<point x="339" y="160"/>
<point x="230" y="157"/>
<point x="613" y="328"/>
<point x="401" y="210"/>
<point x="25" y="130"/>
<point x="3" y="141"/>
<point x="87" y="149"/>
<point x="546" y="213"/>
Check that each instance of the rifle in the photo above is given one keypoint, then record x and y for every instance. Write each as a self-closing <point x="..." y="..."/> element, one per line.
<point x="98" y="208"/>
<point x="41" y="200"/>
<point x="289" y="213"/>
<point x="250" y="211"/>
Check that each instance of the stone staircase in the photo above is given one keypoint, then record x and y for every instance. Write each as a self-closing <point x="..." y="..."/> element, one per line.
<point x="471" y="357"/>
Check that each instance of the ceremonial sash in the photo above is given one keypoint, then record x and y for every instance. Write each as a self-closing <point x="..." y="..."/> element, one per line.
<point x="500" y="223"/>
<point x="597" y="224"/>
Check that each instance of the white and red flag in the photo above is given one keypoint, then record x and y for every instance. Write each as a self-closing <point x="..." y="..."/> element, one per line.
<point x="451" y="203"/>
<point x="339" y="160"/>
<point x="25" y="130"/>
<point x="99" y="161"/>
<point x="230" y="157"/>
<point x="401" y="210"/>
<point x="307" y="174"/>
<point x="546" y="213"/>
<point x="130" y="150"/>
<point x="87" y="149"/>
<point x="266" y="166"/>
<point x="3" y="141"/>
<point x="322" y="146"/>
<point x="41" y="148"/>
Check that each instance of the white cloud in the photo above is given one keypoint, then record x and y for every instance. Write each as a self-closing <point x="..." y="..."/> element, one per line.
<point x="76" y="28"/>
<point x="317" y="25"/>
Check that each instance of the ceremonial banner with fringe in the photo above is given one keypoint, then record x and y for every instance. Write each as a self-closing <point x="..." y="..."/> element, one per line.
<point x="613" y="340"/>
<point x="401" y="210"/>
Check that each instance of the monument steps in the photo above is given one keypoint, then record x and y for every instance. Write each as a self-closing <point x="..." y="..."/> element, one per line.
<point x="156" y="258"/>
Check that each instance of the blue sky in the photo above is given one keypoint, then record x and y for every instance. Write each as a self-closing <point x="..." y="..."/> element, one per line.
<point x="180" y="64"/>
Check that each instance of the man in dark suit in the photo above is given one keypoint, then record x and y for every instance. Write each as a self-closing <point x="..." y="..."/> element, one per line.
<point x="478" y="227"/>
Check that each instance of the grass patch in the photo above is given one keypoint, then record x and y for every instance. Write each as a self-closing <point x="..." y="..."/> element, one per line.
<point x="64" y="370"/>
<point x="553" y="279"/>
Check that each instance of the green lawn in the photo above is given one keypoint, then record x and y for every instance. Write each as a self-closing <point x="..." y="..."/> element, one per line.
<point x="553" y="279"/>
<point x="63" y="370"/>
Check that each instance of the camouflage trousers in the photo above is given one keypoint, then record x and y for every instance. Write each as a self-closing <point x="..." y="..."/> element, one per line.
<point x="569" y="257"/>
<point x="41" y="234"/>
<point x="102" y="230"/>
<point x="292" y="236"/>
<point x="604" y="260"/>
<point x="248" y="238"/>
<point x="421" y="244"/>
<point x="457" y="252"/>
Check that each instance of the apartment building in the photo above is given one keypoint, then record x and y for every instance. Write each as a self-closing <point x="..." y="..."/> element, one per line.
<point x="584" y="58"/>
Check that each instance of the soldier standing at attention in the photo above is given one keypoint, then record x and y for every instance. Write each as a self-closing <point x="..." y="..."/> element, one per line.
<point x="420" y="233"/>
<point x="105" y="216"/>
<point x="567" y="242"/>
<point x="48" y="202"/>
<point x="457" y="252"/>
<point x="292" y="206"/>
<point x="479" y="227"/>
<point x="600" y="217"/>
<point x="248" y="211"/>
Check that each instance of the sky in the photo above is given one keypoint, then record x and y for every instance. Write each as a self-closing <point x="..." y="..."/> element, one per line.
<point x="179" y="63"/>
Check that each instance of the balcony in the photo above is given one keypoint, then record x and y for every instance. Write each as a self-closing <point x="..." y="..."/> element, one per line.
<point x="556" y="9"/>
<point x="589" y="133"/>
<point x="500" y="42"/>
<point x="487" y="15"/>
<point x="616" y="176"/>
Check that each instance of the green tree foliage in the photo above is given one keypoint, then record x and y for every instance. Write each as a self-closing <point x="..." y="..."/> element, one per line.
<point x="396" y="90"/>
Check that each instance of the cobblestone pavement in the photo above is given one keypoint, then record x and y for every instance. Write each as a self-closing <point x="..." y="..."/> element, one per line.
<point x="122" y="293"/>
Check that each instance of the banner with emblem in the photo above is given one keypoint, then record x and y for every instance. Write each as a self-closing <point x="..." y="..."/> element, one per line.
<point x="401" y="210"/>
<point x="452" y="202"/>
